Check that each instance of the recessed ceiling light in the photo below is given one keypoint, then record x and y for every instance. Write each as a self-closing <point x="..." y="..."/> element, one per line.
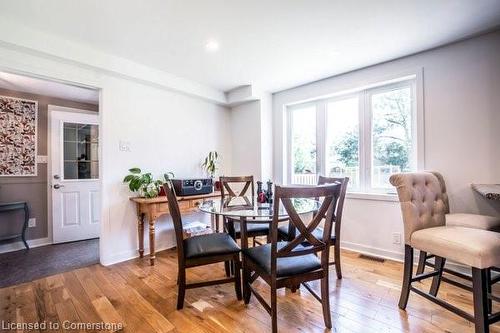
<point x="212" y="45"/>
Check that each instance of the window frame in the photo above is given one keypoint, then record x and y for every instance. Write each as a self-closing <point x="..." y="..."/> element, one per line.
<point x="364" y="94"/>
<point x="289" y="140"/>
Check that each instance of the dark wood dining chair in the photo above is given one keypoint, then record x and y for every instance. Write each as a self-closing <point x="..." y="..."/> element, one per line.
<point x="287" y="264"/>
<point x="201" y="250"/>
<point x="285" y="232"/>
<point x="228" y="190"/>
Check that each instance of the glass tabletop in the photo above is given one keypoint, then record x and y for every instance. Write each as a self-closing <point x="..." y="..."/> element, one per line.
<point x="245" y="207"/>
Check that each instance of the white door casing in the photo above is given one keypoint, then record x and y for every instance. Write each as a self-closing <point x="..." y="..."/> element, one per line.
<point x="74" y="176"/>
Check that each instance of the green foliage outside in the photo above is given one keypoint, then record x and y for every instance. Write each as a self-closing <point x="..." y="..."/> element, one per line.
<point x="392" y="128"/>
<point x="347" y="150"/>
<point x="304" y="153"/>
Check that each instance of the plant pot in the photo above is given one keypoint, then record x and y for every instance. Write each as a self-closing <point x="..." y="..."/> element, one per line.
<point x="217" y="185"/>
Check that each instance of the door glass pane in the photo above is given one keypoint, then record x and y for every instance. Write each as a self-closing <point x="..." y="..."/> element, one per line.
<point x="303" y="145"/>
<point x="81" y="146"/>
<point x="391" y="135"/>
<point x="342" y="140"/>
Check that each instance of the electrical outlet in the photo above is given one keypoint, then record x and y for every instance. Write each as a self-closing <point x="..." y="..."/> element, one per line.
<point x="396" y="238"/>
<point x="124" y="146"/>
<point x="32" y="222"/>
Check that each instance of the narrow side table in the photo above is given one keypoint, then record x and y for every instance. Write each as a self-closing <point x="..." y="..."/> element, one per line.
<point x="10" y="206"/>
<point x="489" y="191"/>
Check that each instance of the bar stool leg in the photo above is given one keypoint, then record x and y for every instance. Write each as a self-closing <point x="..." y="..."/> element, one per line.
<point x="436" y="281"/>
<point x="489" y="286"/>
<point x="480" y="298"/>
<point x="422" y="258"/>
<point x="408" y="272"/>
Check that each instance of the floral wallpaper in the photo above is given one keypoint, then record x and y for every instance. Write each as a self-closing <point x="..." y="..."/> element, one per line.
<point x="18" y="137"/>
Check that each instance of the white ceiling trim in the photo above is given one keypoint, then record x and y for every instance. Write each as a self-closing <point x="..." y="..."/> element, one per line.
<point x="33" y="85"/>
<point x="16" y="37"/>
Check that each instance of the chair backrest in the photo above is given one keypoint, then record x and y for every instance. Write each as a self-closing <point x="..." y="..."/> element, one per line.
<point x="440" y="178"/>
<point x="175" y="213"/>
<point x="422" y="201"/>
<point x="337" y="216"/>
<point x="284" y="195"/>
<point x="227" y="190"/>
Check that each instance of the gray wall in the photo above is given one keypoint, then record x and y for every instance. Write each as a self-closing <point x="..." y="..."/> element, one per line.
<point x="32" y="189"/>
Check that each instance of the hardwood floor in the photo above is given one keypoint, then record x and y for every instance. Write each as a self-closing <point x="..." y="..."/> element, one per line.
<point x="143" y="299"/>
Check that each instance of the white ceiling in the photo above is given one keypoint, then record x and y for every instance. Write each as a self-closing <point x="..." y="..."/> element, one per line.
<point x="273" y="44"/>
<point x="48" y="88"/>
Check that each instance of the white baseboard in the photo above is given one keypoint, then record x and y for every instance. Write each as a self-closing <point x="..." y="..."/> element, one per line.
<point x="16" y="246"/>
<point x="374" y="251"/>
<point x="355" y="247"/>
<point x="397" y="256"/>
<point x="132" y="254"/>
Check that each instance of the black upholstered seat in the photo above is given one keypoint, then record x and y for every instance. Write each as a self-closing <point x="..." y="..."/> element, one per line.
<point x="283" y="231"/>
<point x="252" y="229"/>
<point x="209" y="245"/>
<point x="286" y="266"/>
<point x="317" y="233"/>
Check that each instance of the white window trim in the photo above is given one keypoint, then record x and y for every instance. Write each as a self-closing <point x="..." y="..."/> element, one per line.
<point x="366" y="147"/>
<point x="418" y="128"/>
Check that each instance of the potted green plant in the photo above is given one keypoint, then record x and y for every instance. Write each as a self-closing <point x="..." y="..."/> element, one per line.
<point x="144" y="183"/>
<point x="210" y="164"/>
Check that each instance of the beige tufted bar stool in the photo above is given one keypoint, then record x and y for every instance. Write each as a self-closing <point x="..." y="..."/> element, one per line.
<point x="474" y="221"/>
<point x="424" y="209"/>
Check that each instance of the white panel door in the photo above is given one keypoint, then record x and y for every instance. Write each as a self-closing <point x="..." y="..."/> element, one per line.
<point x="74" y="179"/>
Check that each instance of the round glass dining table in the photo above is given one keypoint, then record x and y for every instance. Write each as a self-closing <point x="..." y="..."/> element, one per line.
<point x="245" y="210"/>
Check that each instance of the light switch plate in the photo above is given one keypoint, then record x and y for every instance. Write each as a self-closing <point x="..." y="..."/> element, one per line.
<point x="32" y="222"/>
<point x="42" y="159"/>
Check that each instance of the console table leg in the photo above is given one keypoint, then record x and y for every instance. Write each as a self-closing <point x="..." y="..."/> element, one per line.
<point x="152" y="253"/>
<point x="140" y="232"/>
<point x="25" y="225"/>
<point x="215" y="222"/>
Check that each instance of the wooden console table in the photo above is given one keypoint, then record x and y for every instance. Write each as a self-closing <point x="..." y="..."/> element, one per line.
<point x="152" y="209"/>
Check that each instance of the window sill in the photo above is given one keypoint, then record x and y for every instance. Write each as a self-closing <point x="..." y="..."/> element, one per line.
<point x="372" y="196"/>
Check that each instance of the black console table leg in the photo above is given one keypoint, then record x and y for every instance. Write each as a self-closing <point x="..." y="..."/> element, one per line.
<point x="25" y="225"/>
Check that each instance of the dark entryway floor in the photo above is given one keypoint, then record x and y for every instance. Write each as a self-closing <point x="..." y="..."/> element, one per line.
<point x="28" y="265"/>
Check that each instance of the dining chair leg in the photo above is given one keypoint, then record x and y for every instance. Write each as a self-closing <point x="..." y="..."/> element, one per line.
<point x="246" y="284"/>
<point x="325" y="301"/>
<point x="407" y="275"/>
<point x="422" y="258"/>
<point x="181" y="288"/>
<point x="480" y="299"/>
<point x="336" y="254"/>
<point x="436" y="280"/>
<point x="237" y="277"/>
<point x="274" y="306"/>
<point x="227" y="268"/>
